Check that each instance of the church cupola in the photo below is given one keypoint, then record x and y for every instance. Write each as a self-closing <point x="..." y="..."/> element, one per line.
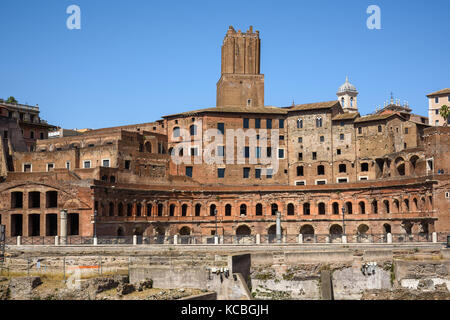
<point x="347" y="95"/>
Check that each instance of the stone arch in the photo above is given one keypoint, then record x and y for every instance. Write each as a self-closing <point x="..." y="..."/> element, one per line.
<point x="400" y="166"/>
<point x="396" y="205"/>
<point x="413" y="161"/>
<point x="307" y="229"/>
<point x="336" y="229"/>
<point x="363" y="229"/>
<point x="185" y="231"/>
<point x="243" y="230"/>
<point x="387" y="228"/>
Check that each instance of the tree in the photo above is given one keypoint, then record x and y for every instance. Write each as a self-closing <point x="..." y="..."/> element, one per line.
<point x="445" y="113"/>
<point x="11" y="100"/>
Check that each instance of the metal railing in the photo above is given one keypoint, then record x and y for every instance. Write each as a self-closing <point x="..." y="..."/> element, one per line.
<point x="263" y="239"/>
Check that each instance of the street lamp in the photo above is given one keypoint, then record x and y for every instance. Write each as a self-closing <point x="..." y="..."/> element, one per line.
<point x="95" y="224"/>
<point x="215" y="218"/>
<point x="343" y="219"/>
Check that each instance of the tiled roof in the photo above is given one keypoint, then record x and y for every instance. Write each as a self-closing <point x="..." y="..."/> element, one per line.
<point x="265" y="110"/>
<point x="313" y="106"/>
<point x="346" y="116"/>
<point x="443" y="91"/>
<point x="376" y="117"/>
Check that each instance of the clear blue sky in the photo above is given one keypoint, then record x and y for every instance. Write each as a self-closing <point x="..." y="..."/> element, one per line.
<point x="136" y="60"/>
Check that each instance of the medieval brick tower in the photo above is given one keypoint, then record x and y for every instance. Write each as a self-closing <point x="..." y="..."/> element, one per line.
<point x="241" y="83"/>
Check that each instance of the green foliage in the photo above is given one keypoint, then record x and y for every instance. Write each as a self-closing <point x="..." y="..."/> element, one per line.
<point x="11" y="100"/>
<point x="445" y="113"/>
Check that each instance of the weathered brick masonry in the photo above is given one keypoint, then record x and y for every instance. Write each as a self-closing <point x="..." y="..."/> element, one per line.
<point x="389" y="170"/>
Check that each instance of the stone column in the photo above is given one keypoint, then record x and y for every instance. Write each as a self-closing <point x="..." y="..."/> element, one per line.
<point x="175" y="239"/>
<point x="389" y="237"/>
<point x="258" y="239"/>
<point x="300" y="238"/>
<point x="344" y="239"/>
<point x="63" y="226"/>
<point x="278" y="231"/>
<point x="434" y="237"/>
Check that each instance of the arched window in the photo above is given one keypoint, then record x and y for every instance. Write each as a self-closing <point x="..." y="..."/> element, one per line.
<point x="290" y="209"/>
<point x="299" y="123"/>
<point x="274" y="208"/>
<point x="243" y="210"/>
<point x="198" y="207"/>
<point x="129" y="209"/>
<point x="149" y="209"/>
<point x="120" y="209"/>
<point x="349" y="207"/>
<point x="184" y="210"/>
<point x="212" y="210"/>
<point x="351" y="102"/>
<point x="319" y="122"/>
<point x="172" y="210"/>
<point x="259" y="209"/>
<point x="228" y="210"/>
<point x="343" y="102"/>
<point x="406" y="202"/>
<point x="374" y="206"/>
<point x="111" y="209"/>
<point x="160" y="209"/>
<point x="138" y="209"/>
<point x="335" y="208"/>
<point x="176" y="132"/>
<point x="306" y="209"/>
<point x="193" y="130"/>
<point x="322" y="210"/>
<point x="387" y="208"/>
<point x="362" y="207"/>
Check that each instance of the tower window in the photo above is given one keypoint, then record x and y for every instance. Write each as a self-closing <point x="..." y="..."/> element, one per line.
<point x="322" y="138"/>
<point x="281" y="124"/>
<point x="269" y="123"/>
<point x="299" y="123"/>
<point x="246" y="173"/>
<point x="249" y="102"/>
<point x="246" y="123"/>
<point x="300" y="140"/>
<point x="221" y="173"/>
<point x="319" y="122"/>
<point x="257" y="123"/>
<point x="221" y="127"/>
<point x="314" y="155"/>
<point x="341" y="136"/>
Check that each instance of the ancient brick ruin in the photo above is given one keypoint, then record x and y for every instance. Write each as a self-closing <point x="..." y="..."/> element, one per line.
<point x="389" y="170"/>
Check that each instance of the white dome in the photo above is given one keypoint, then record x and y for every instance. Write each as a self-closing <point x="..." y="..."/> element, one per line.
<point x="347" y="87"/>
